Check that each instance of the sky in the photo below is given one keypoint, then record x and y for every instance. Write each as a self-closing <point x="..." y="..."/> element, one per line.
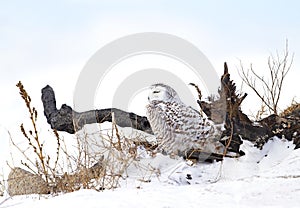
<point x="49" y="42"/>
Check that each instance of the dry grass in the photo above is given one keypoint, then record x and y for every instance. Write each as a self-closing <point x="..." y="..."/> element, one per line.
<point x="84" y="168"/>
<point x="292" y="108"/>
<point x="41" y="163"/>
<point x="2" y="186"/>
<point x="98" y="161"/>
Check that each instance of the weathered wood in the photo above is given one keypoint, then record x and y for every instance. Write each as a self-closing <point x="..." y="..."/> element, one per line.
<point x="238" y="125"/>
<point x="224" y="109"/>
<point x="68" y="120"/>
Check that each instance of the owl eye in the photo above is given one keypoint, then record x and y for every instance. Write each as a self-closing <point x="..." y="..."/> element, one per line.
<point x="156" y="91"/>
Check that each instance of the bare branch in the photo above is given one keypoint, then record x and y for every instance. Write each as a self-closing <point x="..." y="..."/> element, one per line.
<point x="272" y="86"/>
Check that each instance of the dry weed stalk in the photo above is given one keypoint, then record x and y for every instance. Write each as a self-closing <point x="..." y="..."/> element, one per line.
<point x="87" y="168"/>
<point x="40" y="164"/>
<point x="261" y="112"/>
<point x="120" y="153"/>
<point x="292" y="108"/>
<point x="101" y="161"/>
<point x="33" y="137"/>
<point x="2" y="186"/>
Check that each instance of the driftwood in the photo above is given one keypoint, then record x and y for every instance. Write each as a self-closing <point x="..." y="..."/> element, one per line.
<point x="237" y="124"/>
<point x="68" y="120"/>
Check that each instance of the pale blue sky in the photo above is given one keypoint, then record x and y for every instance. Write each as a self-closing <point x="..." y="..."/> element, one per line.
<point x="39" y="33"/>
<point x="41" y="38"/>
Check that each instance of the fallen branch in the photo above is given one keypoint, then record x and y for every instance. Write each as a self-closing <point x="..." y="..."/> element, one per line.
<point x="68" y="120"/>
<point x="225" y="108"/>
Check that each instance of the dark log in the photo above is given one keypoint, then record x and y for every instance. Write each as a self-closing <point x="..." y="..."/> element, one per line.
<point x="224" y="109"/>
<point x="68" y="120"/>
<point x="238" y="125"/>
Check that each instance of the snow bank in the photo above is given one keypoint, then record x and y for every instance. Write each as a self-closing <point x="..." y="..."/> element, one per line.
<point x="262" y="178"/>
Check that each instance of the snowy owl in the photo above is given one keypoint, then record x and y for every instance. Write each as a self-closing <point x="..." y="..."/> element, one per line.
<point x="178" y="127"/>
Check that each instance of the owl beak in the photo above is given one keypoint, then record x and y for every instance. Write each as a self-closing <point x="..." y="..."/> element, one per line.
<point x="148" y="98"/>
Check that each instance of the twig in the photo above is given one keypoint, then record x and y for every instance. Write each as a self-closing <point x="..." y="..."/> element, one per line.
<point x="278" y="69"/>
<point x="1" y="203"/>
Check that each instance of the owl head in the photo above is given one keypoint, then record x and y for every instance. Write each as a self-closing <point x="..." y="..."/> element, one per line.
<point x="162" y="92"/>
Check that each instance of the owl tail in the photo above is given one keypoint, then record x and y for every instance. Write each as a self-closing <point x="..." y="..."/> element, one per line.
<point x="212" y="146"/>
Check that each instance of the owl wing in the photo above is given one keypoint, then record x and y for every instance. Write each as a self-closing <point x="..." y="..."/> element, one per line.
<point x="190" y="122"/>
<point x="193" y="129"/>
<point x="179" y="127"/>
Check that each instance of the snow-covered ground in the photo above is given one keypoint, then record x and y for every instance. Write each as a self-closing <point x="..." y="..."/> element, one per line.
<point x="262" y="178"/>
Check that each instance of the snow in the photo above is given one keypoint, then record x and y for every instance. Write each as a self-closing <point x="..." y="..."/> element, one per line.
<point x="262" y="178"/>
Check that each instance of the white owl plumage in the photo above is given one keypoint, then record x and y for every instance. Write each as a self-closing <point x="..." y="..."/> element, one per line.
<point x="178" y="127"/>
